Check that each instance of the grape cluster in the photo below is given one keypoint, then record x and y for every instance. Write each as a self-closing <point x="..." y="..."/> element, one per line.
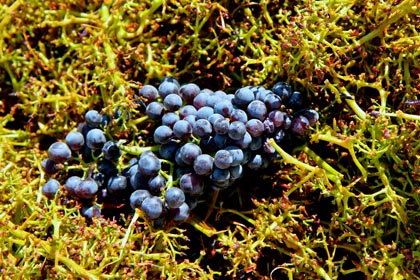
<point x="207" y="137"/>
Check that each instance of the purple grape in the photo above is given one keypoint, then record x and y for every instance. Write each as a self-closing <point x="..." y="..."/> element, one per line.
<point x="172" y="102"/>
<point x="116" y="184"/>
<point x="168" y="150"/>
<point x="182" y="129"/>
<point x="257" y="110"/>
<point x="91" y="212"/>
<point x="255" y="127"/>
<point x="168" y="87"/>
<point x="163" y="134"/>
<point x="93" y="118"/>
<point x="223" y="159"/>
<point x="312" y="116"/>
<point x="244" y="142"/>
<point x="213" y="118"/>
<point x="87" y="189"/>
<point x="111" y="151"/>
<point x="59" y="152"/>
<point x="189" y="92"/>
<point x="75" y="140"/>
<point x="202" y="128"/>
<point x="152" y="207"/>
<point x="50" y="188"/>
<point x="157" y="184"/>
<point x="277" y="118"/>
<point x="149" y="92"/>
<point x="203" y="164"/>
<point x="169" y="119"/>
<point x="187" y="110"/>
<point x="237" y="130"/>
<point x="237" y="155"/>
<point x="201" y="99"/>
<point x="238" y="115"/>
<point x="49" y="166"/>
<point x="191" y="183"/>
<point x="272" y="101"/>
<point x="155" y="110"/>
<point x="205" y="112"/>
<point x="174" y="197"/>
<point x="224" y="108"/>
<point x="221" y="126"/>
<point x="72" y="183"/>
<point x="182" y="213"/>
<point x="189" y="152"/>
<point x="283" y="90"/>
<point x="95" y="139"/>
<point x="137" y="197"/>
<point x="149" y="165"/>
<point x="243" y="97"/>
<point x="300" y="126"/>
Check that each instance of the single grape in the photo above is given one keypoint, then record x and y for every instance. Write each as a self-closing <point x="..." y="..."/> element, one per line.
<point x="174" y="197"/>
<point x="93" y="118"/>
<point x="191" y="119"/>
<point x="201" y="99"/>
<point x="269" y="126"/>
<point x="117" y="183"/>
<point x="220" y="177"/>
<point x="72" y="183"/>
<point x="205" y="112"/>
<point x="203" y="164"/>
<point x="49" y="166"/>
<point x="223" y="159"/>
<point x="189" y="92"/>
<point x="149" y="165"/>
<point x="213" y="118"/>
<point x="155" y="110"/>
<point x="182" y="213"/>
<point x="138" y="181"/>
<point x="172" y="102"/>
<point x="75" y="140"/>
<point x="91" y="212"/>
<point x="300" y="126"/>
<point x="221" y="126"/>
<point x="152" y="207"/>
<point x="255" y="127"/>
<point x="168" y="150"/>
<point x="312" y="116"/>
<point x="157" y="184"/>
<point x="202" y="128"/>
<point x="169" y="119"/>
<point x="283" y="90"/>
<point x="149" y="92"/>
<point x="243" y="97"/>
<point x="50" y="188"/>
<point x="191" y="183"/>
<point x="163" y="134"/>
<point x="257" y="110"/>
<point x="187" y="110"/>
<point x="87" y="189"/>
<point x="182" y="129"/>
<point x="59" y="152"/>
<point x="189" y="152"/>
<point x="272" y="101"/>
<point x="237" y="130"/>
<point x="224" y="108"/>
<point x="276" y="117"/>
<point x="237" y="155"/>
<point x="244" y="142"/>
<point x="95" y="139"/>
<point x="238" y="115"/>
<point x="137" y="197"/>
<point x="262" y="93"/>
<point x="107" y="167"/>
<point x="111" y="151"/>
<point x="167" y="87"/>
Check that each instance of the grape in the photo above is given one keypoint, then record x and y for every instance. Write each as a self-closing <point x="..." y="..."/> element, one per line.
<point x="174" y="197"/>
<point x="50" y="188"/>
<point x="182" y="129"/>
<point x="91" y="212"/>
<point x="191" y="183"/>
<point x="75" y="140"/>
<point x="149" y="165"/>
<point x="311" y="115"/>
<point x="235" y="172"/>
<point x="224" y="108"/>
<point x="152" y="207"/>
<point x="300" y="126"/>
<point x="99" y="178"/>
<point x="244" y="142"/>
<point x="137" y="197"/>
<point x="172" y="102"/>
<point x="276" y="117"/>
<point x="272" y="101"/>
<point x="190" y="119"/>
<point x="157" y="184"/>
<point x="189" y="92"/>
<point x="201" y="99"/>
<point x="220" y="177"/>
<point x="237" y="130"/>
<point x="243" y="97"/>
<point x="202" y="128"/>
<point x="72" y="183"/>
<point x="269" y="126"/>
<point x="255" y="127"/>
<point x="149" y="92"/>
<point x="95" y="139"/>
<point x="283" y="90"/>
<point x="279" y="135"/>
<point x="155" y="110"/>
<point x="59" y="152"/>
<point x="213" y="100"/>
<point x="117" y="183"/>
<point x="238" y="115"/>
<point x="182" y="213"/>
<point x="49" y="166"/>
<point x="169" y="119"/>
<point x="262" y="93"/>
<point x="237" y="155"/>
<point x="220" y="140"/>
<point x="205" y="112"/>
<point x="223" y="159"/>
<point x="138" y="181"/>
<point x="168" y="150"/>
<point x="107" y="168"/>
<point x="203" y="164"/>
<point x="187" y="110"/>
<point x="163" y="134"/>
<point x="93" y="118"/>
<point x="257" y="143"/>
<point x="87" y="189"/>
<point x="168" y="87"/>
<point x="213" y="118"/>
<point x="111" y="151"/>
<point x="256" y="162"/>
<point x="189" y="152"/>
<point x="171" y="79"/>
<point x="256" y="109"/>
<point x="295" y="100"/>
<point x="221" y="126"/>
<point x="208" y="145"/>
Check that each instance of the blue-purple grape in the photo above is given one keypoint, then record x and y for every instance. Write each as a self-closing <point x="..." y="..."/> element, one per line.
<point x="163" y="134"/>
<point x="111" y="151"/>
<point x="152" y="207"/>
<point x="72" y="183"/>
<point x="168" y="87"/>
<point x="191" y="183"/>
<point x="169" y="119"/>
<point x="149" y="165"/>
<point x="182" y="129"/>
<point x="189" y="92"/>
<point x="49" y="166"/>
<point x="149" y="92"/>
<point x="221" y="126"/>
<point x="116" y="184"/>
<point x="95" y="139"/>
<point x="87" y="189"/>
<point x="172" y="102"/>
<point x="255" y="127"/>
<point x="224" y="108"/>
<point x="75" y="140"/>
<point x="50" y="188"/>
<point x="155" y="110"/>
<point x="223" y="159"/>
<point x="93" y="118"/>
<point x="202" y="128"/>
<point x="257" y="110"/>
<point x="137" y="197"/>
<point x="59" y="152"/>
<point x="189" y="152"/>
<point x="182" y="213"/>
<point x="174" y="197"/>
<point x="236" y="130"/>
<point x="203" y="164"/>
<point x="243" y="97"/>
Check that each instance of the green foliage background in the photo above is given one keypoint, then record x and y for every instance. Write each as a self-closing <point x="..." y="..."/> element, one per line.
<point x="347" y="205"/>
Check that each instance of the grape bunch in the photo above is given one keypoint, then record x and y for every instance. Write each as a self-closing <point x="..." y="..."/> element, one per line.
<point x="204" y="139"/>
